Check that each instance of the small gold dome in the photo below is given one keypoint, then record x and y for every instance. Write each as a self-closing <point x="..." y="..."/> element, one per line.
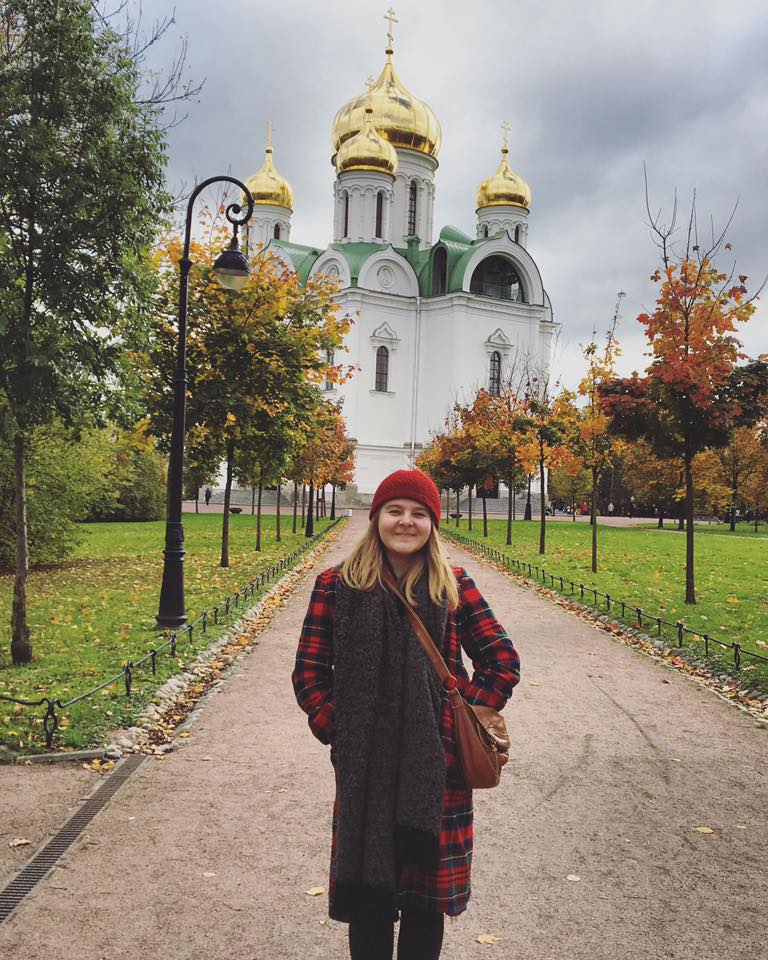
<point x="366" y="150"/>
<point x="398" y="116"/>
<point x="268" y="186"/>
<point x="505" y="188"/>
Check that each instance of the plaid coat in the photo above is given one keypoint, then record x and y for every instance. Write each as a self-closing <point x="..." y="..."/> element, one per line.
<point x="496" y="671"/>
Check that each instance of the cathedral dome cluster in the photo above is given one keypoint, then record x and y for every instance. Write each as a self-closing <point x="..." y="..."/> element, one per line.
<point x="400" y="118"/>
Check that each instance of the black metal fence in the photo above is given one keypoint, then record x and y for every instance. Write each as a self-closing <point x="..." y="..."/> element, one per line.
<point x="625" y="610"/>
<point x="214" y="616"/>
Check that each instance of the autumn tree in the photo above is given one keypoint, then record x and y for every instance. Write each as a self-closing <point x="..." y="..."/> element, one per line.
<point x="255" y="358"/>
<point x="570" y="480"/>
<point x="654" y="481"/>
<point x="693" y="392"/>
<point x="728" y="471"/>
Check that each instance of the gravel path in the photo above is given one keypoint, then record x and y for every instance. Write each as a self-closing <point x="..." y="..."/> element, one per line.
<point x="616" y="761"/>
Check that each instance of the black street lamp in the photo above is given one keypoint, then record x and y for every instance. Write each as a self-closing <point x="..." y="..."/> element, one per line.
<point x="232" y="271"/>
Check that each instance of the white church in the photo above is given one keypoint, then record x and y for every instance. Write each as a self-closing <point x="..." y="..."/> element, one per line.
<point x="440" y="313"/>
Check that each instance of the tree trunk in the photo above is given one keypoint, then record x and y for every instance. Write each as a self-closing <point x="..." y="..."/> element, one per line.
<point x="690" y="580"/>
<point x="510" y="500"/>
<point x="253" y="500"/>
<point x="227" y="497"/>
<point x="258" y="512"/>
<point x="485" y="516"/>
<point x="303" y="503"/>
<point x="333" y="501"/>
<point x="734" y="490"/>
<point x="661" y="518"/>
<point x="457" y="506"/>
<point x="447" y="504"/>
<point x="295" y="505"/>
<point x="277" y="512"/>
<point x="469" y="506"/>
<point x="21" y="649"/>
<point x="681" y="518"/>
<point x="593" y="519"/>
<point x="197" y="501"/>
<point x="309" y="529"/>
<point x="542" y="511"/>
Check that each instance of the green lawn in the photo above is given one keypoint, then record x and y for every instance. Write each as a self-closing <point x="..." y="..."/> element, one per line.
<point x="645" y="567"/>
<point x="91" y="614"/>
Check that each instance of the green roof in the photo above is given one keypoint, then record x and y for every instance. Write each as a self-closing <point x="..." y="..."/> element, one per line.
<point x="356" y="254"/>
<point x="301" y="256"/>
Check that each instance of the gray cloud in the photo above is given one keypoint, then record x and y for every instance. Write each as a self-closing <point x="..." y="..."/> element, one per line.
<point x="592" y="92"/>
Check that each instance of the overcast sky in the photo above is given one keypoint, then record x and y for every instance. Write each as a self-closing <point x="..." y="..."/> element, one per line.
<point x="591" y="91"/>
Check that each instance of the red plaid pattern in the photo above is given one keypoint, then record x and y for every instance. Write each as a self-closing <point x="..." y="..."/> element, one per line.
<point x="496" y="670"/>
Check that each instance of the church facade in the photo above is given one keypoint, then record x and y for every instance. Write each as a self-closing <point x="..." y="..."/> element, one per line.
<point x="439" y="313"/>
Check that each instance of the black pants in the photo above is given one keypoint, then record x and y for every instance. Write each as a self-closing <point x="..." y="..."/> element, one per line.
<point x="372" y="936"/>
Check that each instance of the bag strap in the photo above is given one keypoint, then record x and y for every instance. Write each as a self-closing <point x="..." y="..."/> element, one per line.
<point x="441" y="668"/>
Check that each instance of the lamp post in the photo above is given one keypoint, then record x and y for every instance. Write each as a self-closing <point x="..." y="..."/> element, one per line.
<point x="232" y="271"/>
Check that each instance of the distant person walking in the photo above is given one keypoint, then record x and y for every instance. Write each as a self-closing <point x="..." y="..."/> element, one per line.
<point x="208" y="495"/>
<point x="402" y="819"/>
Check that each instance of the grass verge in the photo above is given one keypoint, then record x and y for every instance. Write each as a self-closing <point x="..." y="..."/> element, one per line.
<point x="646" y="568"/>
<point x="90" y="615"/>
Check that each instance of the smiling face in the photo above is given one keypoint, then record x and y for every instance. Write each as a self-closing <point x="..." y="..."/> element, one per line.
<point x="404" y="527"/>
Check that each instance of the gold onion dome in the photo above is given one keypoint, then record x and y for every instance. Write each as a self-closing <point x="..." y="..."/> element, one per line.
<point x="268" y="186"/>
<point x="398" y="116"/>
<point x="366" y="150"/>
<point x="504" y="188"/>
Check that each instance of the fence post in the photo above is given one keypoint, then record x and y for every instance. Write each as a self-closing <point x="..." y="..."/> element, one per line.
<point x="639" y="613"/>
<point x="737" y="655"/>
<point x="680" y="629"/>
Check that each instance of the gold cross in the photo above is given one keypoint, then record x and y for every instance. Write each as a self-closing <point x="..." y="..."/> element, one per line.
<point x="390" y="17"/>
<point x="371" y="82"/>
<point x="505" y="128"/>
<point x="269" y="134"/>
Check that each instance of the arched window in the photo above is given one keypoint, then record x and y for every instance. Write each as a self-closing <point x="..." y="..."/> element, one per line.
<point x="276" y="231"/>
<point x="330" y="359"/>
<point x="412" y="209"/>
<point x="346" y="214"/>
<point x="382" y="369"/>
<point x="517" y="233"/>
<point x="496" y="277"/>
<point x="439" y="272"/>
<point x="379" y="213"/>
<point x="494" y="381"/>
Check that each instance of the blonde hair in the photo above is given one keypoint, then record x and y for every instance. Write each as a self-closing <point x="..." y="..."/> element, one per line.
<point x="362" y="569"/>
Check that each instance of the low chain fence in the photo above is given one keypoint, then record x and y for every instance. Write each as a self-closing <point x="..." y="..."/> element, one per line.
<point x="624" y="610"/>
<point x="209" y="617"/>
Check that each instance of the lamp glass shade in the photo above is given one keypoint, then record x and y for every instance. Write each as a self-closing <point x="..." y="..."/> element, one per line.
<point x="231" y="269"/>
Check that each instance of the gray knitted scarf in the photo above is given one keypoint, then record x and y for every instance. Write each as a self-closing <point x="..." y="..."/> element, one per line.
<point x="389" y="757"/>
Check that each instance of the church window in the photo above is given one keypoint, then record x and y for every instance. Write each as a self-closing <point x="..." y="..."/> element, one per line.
<point x="517" y="233"/>
<point x="276" y="232"/>
<point x="346" y="214"/>
<point x="439" y="272"/>
<point x="330" y="359"/>
<point x="379" y="213"/>
<point x="496" y="277"/>
<point x="412" y="209"/>
<point x="382" y="369"/>
<point x="494" y="382"/>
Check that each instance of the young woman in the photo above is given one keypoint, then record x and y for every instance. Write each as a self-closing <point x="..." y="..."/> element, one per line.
<point x="402" y="818"/>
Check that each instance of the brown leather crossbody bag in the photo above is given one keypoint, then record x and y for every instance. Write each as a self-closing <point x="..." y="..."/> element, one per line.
<point x="482" y="742"/>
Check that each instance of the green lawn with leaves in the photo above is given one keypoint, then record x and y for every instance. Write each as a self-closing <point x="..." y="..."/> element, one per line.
<point x="91" y="614"/>
<point x="646" y="568"/>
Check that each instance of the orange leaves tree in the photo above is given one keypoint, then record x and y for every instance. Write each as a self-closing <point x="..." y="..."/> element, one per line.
<point x="255" y="357"/>
<point x="693" y="392"/>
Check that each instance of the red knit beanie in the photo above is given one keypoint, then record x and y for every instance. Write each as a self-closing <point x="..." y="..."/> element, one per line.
<point x="412" y="485"/>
